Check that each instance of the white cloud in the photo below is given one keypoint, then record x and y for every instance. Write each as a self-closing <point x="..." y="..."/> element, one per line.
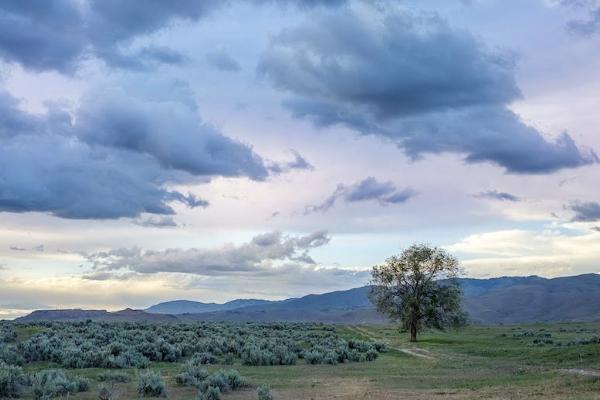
<point x="550" y="252"/>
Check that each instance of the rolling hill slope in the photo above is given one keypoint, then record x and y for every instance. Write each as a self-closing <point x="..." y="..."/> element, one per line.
<point x="507" y="300"/>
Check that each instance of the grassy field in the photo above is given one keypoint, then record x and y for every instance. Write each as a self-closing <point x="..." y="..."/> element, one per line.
<point x="503" y="362"/>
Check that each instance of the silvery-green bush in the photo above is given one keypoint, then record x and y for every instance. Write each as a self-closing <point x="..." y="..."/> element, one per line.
<point x="151" y="384"/>
<point x="12" y="380"/>
<point x="51" y="383"/>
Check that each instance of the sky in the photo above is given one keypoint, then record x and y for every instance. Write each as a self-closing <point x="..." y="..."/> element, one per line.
<point x="214" y="150"/>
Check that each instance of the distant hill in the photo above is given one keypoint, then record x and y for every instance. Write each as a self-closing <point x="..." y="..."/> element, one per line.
<point x="533" y="299"/>
<point x="96" y="315"/>
<point x="191" y="307"/>
<point x="507" y="300"/>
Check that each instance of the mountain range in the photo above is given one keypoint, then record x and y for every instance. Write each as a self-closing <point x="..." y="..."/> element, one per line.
<point x="505" y="300"/>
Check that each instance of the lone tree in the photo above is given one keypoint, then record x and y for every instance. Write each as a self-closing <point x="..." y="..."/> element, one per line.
<point x="419" y="289"/>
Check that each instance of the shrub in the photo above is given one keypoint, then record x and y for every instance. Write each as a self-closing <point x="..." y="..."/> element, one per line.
<point x="128" y="359"/>
<point x="12" y="380"/>
<point x="151" y="384"/>
<point x="229" y="359"/>
<point x="53" y="382"/>
<point x="108" y="393"/>
<point x="192" y="375"/>
<point x="382" y="347"/>
<point x="9" y="355"/>
<point x="234" y="379"/>
<point x="330" y="357"/>
<point x="113" y="376"/>
<point x="283" y="356"/>
<point x="313" y="357"/>
<point x="252" y="355"/>
<point x="371" y="355"/>
<point x="225" y="380"/>
<point x="203" y="359"/>
<point x="211" y="393"/>
<point x="264" y="393"/>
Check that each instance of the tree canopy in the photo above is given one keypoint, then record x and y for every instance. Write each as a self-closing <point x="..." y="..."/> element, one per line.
<point x="418" y="288"/>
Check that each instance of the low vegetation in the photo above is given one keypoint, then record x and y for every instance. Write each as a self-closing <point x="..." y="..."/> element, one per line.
<point x="299" y="361"/>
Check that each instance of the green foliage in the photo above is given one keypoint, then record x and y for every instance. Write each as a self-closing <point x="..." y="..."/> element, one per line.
<point x="136" y="345"/>
<point x="224" y="380"/>
<point x="204" y="358"/>
<point x="419" y="289"/>
<point x="10" y="355"/>
<point x="192" y="375"/>
<point x="51" y="383"/>
<point x="151" y="384"/>
<point x="108" y="392"/>
<point x="263" y="392"/>
<point x="12" y="380"/>
<point x="211" y="393"/>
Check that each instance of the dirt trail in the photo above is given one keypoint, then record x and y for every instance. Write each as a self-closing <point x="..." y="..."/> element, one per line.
<point x="411" y="351"/>
<point x="582" y="372"/>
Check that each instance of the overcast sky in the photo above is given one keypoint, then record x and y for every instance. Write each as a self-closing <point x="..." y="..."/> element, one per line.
<point x="215" y="150"/>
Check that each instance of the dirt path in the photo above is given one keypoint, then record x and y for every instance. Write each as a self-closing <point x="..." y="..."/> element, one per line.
<point x="582" y="372"/>
<point x="411" y="351"/>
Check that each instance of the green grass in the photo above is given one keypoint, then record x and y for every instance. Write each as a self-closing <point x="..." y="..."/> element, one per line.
<point x="475" y="362"/>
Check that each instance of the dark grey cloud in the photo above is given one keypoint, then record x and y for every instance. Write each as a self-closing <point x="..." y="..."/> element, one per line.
<point x="496" y="195"/>
<point x="116" y="156"/>
<point x="585" y="211"/>
<point x="17" y="248"/>
<point x="365" y="190"/>
<point x="298" y="163"/>
<point x="156" y="222"/>
<point x="415" y="80"/>
<point x="169" y="131"/>
<point x="42" y="35"/>
<point x="58" y="35"/>
<point x="259" y="256"/>
<point x="222" y="61"/>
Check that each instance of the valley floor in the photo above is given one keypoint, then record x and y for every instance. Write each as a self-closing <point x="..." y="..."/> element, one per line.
<point x="558" y="361"/>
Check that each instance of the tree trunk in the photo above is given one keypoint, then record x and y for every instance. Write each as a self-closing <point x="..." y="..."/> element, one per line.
<point x="413" y="332"/>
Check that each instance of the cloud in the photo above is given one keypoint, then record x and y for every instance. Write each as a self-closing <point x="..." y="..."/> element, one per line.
<point x="168" y="130"/>
<point x="413" y="79"/>
<point x="17" y="248"/>
<point x="496" y="195"/>
<point x="24" y="305"/>
<point x="58" y="35"/>
<point x="306" y="4"/>
<point x="520" y="252"/>
<point x="596" y="228"/>
<point x="585" y="211"/>
<point x="270" y="264"/>
<point x="45" y="36"/>
<point x="259" y="256"/>
<point x="117" y="154"/>
<point x="298" y="163"/>
<point x="588" y="25"/>
<point x="161" y="54"/>
<point x="365" y="190"/>
<point x="156" y="222"/>
<point x="222" y="61"/>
